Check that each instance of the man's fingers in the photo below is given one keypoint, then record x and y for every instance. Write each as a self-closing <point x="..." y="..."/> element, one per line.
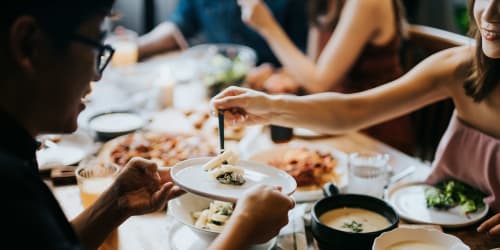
<point x="160" y="197"/>
<point x="175" y="192"/>
<point x="164" y="173"/>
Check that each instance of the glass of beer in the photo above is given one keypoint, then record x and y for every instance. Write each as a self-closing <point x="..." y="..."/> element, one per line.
<point x="124" y="41"/>
<point x="94" y="179"/>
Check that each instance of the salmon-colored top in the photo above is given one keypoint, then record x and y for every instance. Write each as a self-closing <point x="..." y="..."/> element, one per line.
<point x="470" y="156"/>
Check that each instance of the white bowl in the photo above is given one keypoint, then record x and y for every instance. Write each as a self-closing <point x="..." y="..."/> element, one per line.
<point x="429" y="236"/>
<point x="181" y="209"/>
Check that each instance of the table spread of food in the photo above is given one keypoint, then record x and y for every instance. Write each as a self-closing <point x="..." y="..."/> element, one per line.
<point x="307" y="168"/>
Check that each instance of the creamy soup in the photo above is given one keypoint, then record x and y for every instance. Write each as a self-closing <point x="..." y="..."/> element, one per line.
<point x="116" y="122"/>
<point x="415" y="245"/>
<point x="356" y="220"/>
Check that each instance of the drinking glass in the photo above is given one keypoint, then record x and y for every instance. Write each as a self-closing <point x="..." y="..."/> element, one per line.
<point x="368" y="173"/>
<point x="94" y="179"/>
<point x="124" y="42"/>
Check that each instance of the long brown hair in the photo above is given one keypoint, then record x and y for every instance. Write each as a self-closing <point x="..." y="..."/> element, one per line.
<point x="483" y="77"/>
<point x="318" y="10"/>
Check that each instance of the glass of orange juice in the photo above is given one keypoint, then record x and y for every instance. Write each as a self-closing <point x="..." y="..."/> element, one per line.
<point x="124" y="41"/>
<point x="93" y="179"/>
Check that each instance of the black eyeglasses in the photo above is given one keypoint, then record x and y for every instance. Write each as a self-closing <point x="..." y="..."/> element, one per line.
<point x="105" y="51"/>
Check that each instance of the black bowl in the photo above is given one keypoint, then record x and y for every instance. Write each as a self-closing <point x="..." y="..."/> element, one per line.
<point x="117" y="128"/>
<point x="330" y="238"/>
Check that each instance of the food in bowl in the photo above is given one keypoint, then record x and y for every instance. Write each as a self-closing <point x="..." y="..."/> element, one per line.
<point x="329" y="237"/>
<point x="214" y="217"/>
<point x="417" y="238"/>
<point x="354" y="220"/>
<point x="226" y="64"/>
<point x="415" y="245"/>
<point x="223" y="168"/>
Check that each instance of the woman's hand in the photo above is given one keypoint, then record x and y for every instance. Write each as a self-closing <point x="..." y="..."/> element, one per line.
<point x="491" y="226"/>
<point x="281" y="83"/>
<point x="257" y="15"/>
<point x="243" y="106"/>
<point x="142" y="188"/>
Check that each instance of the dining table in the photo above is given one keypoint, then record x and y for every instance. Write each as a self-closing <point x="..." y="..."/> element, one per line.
<point x="154" y="231"/>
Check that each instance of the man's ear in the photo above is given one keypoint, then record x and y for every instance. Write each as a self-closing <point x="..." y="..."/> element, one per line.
<point x="24" y="36"/>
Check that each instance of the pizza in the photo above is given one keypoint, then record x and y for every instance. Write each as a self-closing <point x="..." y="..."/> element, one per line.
<point x="164" y="148"/>
<point x="309" y="167"/>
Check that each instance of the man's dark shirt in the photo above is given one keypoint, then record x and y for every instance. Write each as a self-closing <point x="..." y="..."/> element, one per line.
<point x="31" y="216"/>
<point x="220" y="22"/>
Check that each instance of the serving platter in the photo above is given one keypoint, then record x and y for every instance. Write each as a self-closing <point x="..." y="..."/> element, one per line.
<point x="190" y="176"/>
<point x="408" y="199"/>
<point x="338" y="175"/>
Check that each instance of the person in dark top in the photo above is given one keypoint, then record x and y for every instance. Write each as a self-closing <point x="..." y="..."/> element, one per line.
<point x="220" y="22"/>
<point x="50" y="51"/>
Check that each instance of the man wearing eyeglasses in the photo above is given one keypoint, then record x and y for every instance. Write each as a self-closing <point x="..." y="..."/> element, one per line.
<point x="220" y="22"/>
<point x="50" y="51"/>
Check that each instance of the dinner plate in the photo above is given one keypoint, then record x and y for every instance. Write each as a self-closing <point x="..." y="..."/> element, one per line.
<point x="69" y="150"/>
<point x="408" y="199"/>
<point x="190" y="176"/>
<point x="418" y="236"/>
<point x="309" y="193"/>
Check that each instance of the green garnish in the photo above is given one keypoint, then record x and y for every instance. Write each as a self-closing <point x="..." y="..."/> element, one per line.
<point x="452" y="193"/>
<point x="354" y="226"/>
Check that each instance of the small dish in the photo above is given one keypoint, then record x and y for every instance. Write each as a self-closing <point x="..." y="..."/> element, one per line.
<point x="422" y="238"/>
<point x="190" y="176"/>
<point x="69" y="150"/>
<point x="409" y="201"/>
<point x="109" y="125"/>
<point x="181" y="210"/>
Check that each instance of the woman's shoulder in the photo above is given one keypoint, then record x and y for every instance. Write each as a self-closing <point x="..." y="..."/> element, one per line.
<point x="454" y="64"/>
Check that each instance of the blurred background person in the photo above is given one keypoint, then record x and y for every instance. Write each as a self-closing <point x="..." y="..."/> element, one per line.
<point x="220" y="22"/>
<point x="353" y="46"/>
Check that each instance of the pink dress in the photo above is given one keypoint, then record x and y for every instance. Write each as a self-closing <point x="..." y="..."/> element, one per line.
<point x="470" y="156"/>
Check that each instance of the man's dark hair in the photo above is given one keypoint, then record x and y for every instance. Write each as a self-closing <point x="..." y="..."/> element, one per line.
<point x="59" y="18"/>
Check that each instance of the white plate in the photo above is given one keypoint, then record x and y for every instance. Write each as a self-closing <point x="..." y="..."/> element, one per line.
<point x="408" y="199"/>
<point x="429" y="236"/>
<point x="71" y="149"/>
<point x="190" y="176"/>
<point x="308" y="193"/>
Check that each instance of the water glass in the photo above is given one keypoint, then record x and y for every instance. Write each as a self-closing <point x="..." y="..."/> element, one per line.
<point x="368" y="173"/>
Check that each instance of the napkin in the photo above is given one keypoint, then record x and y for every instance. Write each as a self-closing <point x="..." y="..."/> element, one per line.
<point x="293" y="235"/>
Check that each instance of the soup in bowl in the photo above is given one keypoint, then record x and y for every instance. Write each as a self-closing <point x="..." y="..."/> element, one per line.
<point x="350" y="221"/>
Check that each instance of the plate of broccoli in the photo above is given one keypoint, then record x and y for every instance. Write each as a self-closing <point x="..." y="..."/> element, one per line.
<point x="450" y="203"/>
